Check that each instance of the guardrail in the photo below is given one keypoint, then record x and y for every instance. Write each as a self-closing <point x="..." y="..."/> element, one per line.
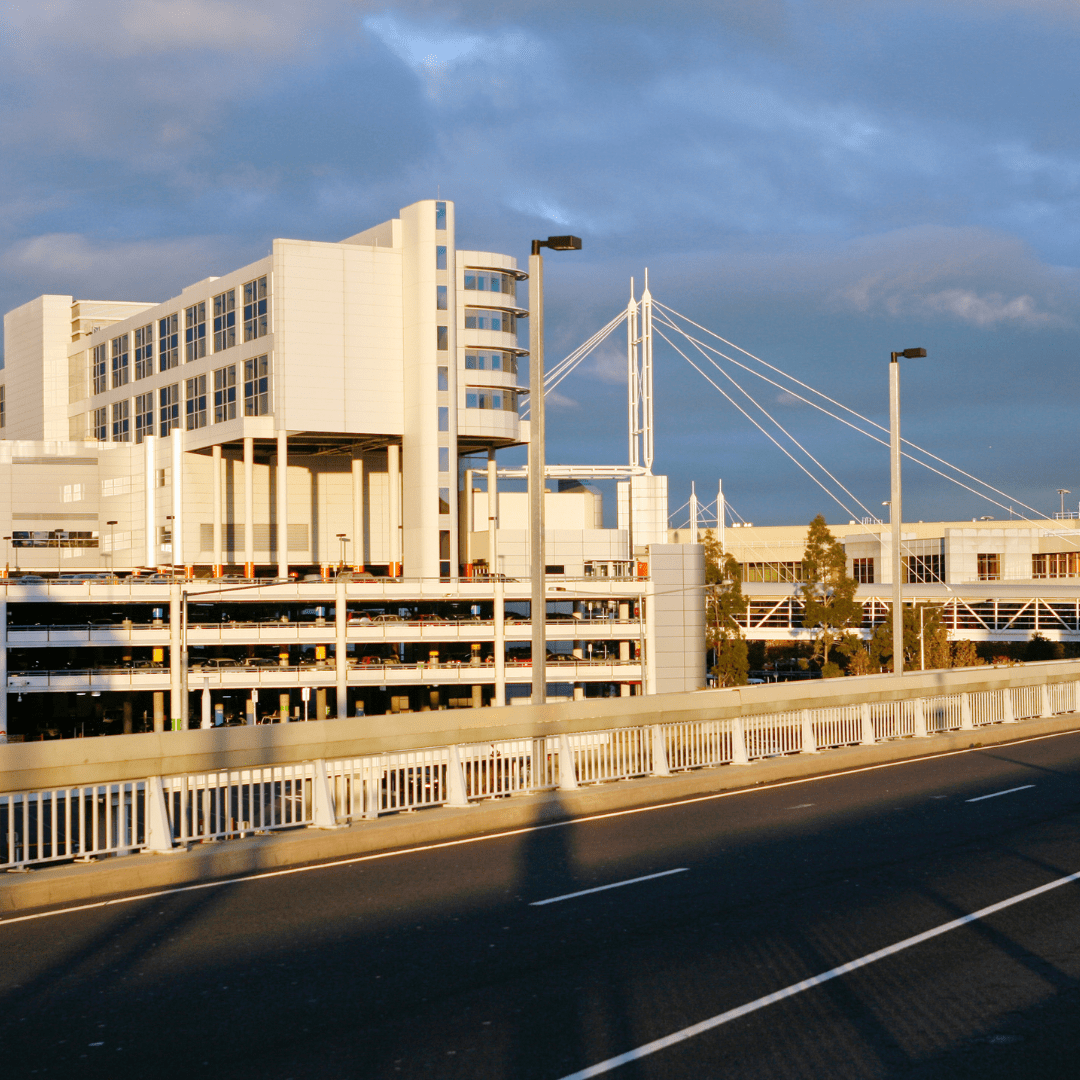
<point x="160" y="812"/>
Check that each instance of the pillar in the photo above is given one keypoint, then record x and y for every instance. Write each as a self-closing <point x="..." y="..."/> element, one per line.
<point x="177" y="497"/>
<point x="159" y="710"/>
<point x="282" y="504"/>
<point x="215" y="457"/>
<point x="249" y="507"/>
<point x="176" y="689"/>
<point x="320" y="703"/>
<point x="129" y="719"/>
<point x="498" y="607"/>
<point x="357" y="515"/>
<point x="204" y="718"/>
<point x="283" y="706"/>
<point x="150" y="499"/>
<point x="4" y="671"/>
<point x="341" y="669"/>
<point x="393" y="479"/>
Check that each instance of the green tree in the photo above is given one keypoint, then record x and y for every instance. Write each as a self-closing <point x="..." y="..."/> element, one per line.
<point x="935" y="640"/>
<point x="724" y="604"/>
<point x="828" y="591"/>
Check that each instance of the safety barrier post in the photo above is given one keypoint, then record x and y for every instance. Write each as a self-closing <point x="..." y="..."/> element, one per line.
<point x="867" y="724"/>
<point x="567" y="769"/>
<point x="1008" y="714"/>
<point x="1044" y="700"/>
<point x="738" y="742"/>
<point x="456" y="794"/>
<point x="159" y="838"/>
<point x="659" y="752"/>
<point x="323" y="813"/>
<point x="371" y="776"/>
<point x="809" y="739"/>
<point x="920" y="718"/>
<point x="965" y="713"/>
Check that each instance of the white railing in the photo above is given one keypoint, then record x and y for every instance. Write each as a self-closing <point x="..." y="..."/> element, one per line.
<point x="159" y="813"/>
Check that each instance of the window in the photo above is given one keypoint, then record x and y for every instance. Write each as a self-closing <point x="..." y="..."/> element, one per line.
<point x="491" y="361"/>
<point x="440" y="257"/>
<point x="256" y="387"/>
<point x="444" y="500"/>
<point x="919" y="569"/>
<point x="442" y="340"/>
<point x="255" y="322"/>
<point x="168" y="342"/>
<point x="121" y="430"/>
<point x="101" y="424"/>
<point x="444" y="458"/>
<point x="989" y="567"/>
<point x="444" y="418"/>
<point x="490" y="281"/>
<point x="225" y="394"/>
<point x="440" y="215"/>
<point x="1056" y="564"/>
<point x="144" y="416"/>
<point x="224" y="320"/>
<point x="490" y="397"/>
<point x="863" y="571"/>
<point x="772" y="571"/>
<point x="57" y="538"/>
<point x="444" y="378"/>
<point x="195" y="332"/>
<point x="100" y="377"/>
<point x="169" y="399"/>
<point x="196" y="402"/>
<point x="440" y="297"/>
<point x="3" y="407"/>
<point x="490" y="319"/>
<point x="120" y="361"/>
<point x="444" y="553"/>
<point x="144" y="351"/>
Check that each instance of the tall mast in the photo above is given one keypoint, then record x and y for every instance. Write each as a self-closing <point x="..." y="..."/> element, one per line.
<point x="633" y="376"/>
<point x="646" y="377"/>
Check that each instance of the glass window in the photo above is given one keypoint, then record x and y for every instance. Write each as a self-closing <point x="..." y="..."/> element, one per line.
<point x="491" y="397"/>
<point x="440" y="257"/>
<point x="256" y="387"/>
<point x="168" y="342"/>
<point x="444" y="380"/>
<point x="440" y="297"/>
<point x="101" y="424"/>
<point x="490" y="281"/>
<point x="224" y="320"/>
<point x="989" y="567"/>
<point x="144" y="351"/>
<point x="225" y="394"/>
<point x="490" y="319"/>
<point x="444" y="454"/>
<point x="255" y="318"/>
<point x="169" y="399"/>
<point x="491" y="361"/>
<point x="195" y="332"/>
<point x="442" y="338"/>
<point x="440" y="215"/>
<point x="120" y="361"/>
<point x="444" y="418"/>
<point x="444" y="500"/>
<point x="144" y="416"/>
<point x="919" y="569"/>
<point x="863" y="571"/>
<point x="3" y="407"/>
<point x="100" y="376"/>
<point x="196" y="402"/>
<point x="121" y="413"/>
<point x="772" y="571"/>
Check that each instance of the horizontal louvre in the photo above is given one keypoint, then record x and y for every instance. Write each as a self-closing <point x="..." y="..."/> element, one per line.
<point x="232" y="537"/>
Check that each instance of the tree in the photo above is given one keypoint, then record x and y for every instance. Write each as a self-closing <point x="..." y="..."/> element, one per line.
<point x="828" y="591"/>
<point x="935" y="640"/>
<point x="724" y="603"/>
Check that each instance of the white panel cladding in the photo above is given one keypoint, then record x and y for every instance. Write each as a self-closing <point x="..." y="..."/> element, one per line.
<point x="35" y="376"/>
<point x="675" y="647"/>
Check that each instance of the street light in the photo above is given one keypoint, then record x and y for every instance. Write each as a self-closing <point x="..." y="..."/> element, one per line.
<point x="172" y="547"/>
<point x="112" y="548"/>
<point x="895" y="508"/>
<point x="1063" y="492"/>
<point x="538" y="603"/>
<point x="7" y="563"/>
<point x="343" y="540"/>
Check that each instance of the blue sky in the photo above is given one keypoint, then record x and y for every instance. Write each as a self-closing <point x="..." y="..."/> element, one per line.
<point x="820" y="182"/>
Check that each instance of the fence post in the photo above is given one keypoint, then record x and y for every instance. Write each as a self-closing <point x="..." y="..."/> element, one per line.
<point x="659" y="752"/>
<point x="867" y="724"/>
<point x="809" y="739"/>
<point x="371" y="778"/>
<point x="738" y="742"/>
<point x="920" y="718"/>
<point x="1044" y="700"/>
<point x="159" y="837"/>
<point x="539" y="776"/>
<point x="456" y="791"/>
<point x="1008" y="714"/>
<point x="323" y="814"/>
<point x="567" y="769"/>
<point x="965" y="713"/>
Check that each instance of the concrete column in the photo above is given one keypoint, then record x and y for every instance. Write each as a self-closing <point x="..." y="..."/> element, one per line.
<point x="320" y="703"/>
<point x="176" y="689"/>
<point x="129" y="719"/>
<point x="159" y="710"/>
<point x="282" y="505"/>
<point x="498" y="607"/>
<point x="283" y="707"/>
<point x="4" y="671"/>
<point x="177" y="497"/>
<point x="357" y="515"/>
<point x="205" y="716"/>
<point x="215" y="457"/>
<point x="393" y="479"/>
<point x="150" y="499"/>
<point x="341" y="669"/>
<point x="249" y="507"/>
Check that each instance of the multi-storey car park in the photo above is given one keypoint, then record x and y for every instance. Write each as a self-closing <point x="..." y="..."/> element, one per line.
<point x="249" y="502"/>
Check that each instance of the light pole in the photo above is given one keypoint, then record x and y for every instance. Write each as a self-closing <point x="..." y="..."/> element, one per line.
<point x="172" y="546"/>
<point x="343" y="540"/>
<point x="538" y="602"/>
<point x="112" y="548"/>
<point x="1063" y="492"/>
<point x="7" y="562"/>
<point x="895" y="508"/>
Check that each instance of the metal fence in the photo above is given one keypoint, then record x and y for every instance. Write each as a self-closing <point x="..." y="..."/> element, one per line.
<point x="52" y="825"/>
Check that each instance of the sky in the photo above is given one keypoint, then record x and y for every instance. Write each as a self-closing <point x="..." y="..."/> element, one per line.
<point x="818" y="182"/>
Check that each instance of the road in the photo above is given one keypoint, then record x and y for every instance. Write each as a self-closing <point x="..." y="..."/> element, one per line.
<point x="440" y="963"/>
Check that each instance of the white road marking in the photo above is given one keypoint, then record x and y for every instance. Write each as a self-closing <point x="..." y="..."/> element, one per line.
<point x="266" y="874"/>
<point x="801" y="806"/>
<point x="995" y="794"/>
<point x="603" y="888"/>
<point x="685" y="1033"/>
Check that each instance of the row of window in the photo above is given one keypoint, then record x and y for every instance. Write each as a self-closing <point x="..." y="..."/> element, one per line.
<point x="56" y="538"/>
<point x="491" y="398"/>
<point x="1056" y="564"/>
<point x="3" y="407"/>
<point x="115" y="422"/>
<point x="491" y="281"/>
<point x="490" y="319"/>
<point x="491" y="361"/>
<point x="110" y="362"/>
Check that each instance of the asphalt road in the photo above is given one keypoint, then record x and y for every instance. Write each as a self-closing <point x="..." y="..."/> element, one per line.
<point x="440" y="962"/>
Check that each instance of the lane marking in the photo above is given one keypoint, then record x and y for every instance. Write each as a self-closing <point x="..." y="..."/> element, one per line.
<point x="690" y="1032"/>
<point x="995" y="794"/>
<point x="603" y="888"/>
<point x="353" y="860"/>
<point x="801" y="806"/>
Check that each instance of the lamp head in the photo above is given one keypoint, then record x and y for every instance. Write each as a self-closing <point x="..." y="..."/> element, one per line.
<point x="911" y="354"/>
<point x="557" y="243"/>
